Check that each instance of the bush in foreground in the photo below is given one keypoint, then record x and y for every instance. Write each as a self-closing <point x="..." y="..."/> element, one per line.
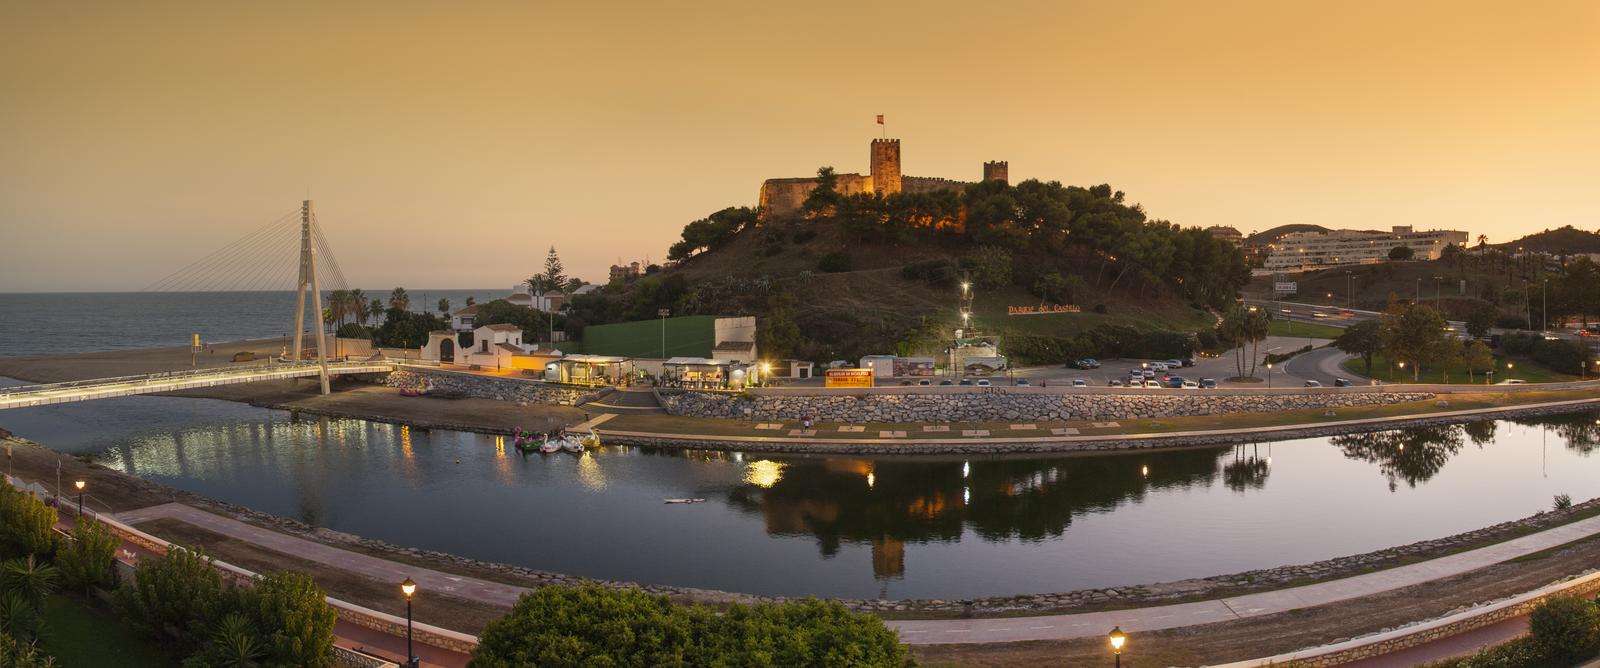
<point x="86" y="560"/>
<point x="1567" y="628"/>
<point x="590" y="625"/>
<point x="26" y="523"/>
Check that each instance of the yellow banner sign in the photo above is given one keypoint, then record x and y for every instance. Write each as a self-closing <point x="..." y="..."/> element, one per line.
<point x="1043" y="308"/>
<point x="847" y="378"/>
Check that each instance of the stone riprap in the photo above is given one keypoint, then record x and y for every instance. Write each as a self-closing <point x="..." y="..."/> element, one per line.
<point x="997" y="405"/>
<point x="477" y="386"/>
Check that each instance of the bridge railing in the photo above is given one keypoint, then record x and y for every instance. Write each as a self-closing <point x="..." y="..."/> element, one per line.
<point x="235" y="370"/>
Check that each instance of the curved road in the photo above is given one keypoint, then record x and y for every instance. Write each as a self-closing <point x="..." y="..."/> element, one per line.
<point x="1321" y="365"/>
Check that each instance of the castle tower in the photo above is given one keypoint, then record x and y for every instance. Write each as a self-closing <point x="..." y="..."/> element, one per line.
<point x="995" y="170"/>
<point x="886" y="166"/>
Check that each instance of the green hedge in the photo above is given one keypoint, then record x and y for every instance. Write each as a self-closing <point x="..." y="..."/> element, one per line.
<point x="590" y="625"/>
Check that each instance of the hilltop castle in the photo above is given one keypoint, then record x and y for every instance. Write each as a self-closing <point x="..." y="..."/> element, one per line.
<point x="781" y="197"/>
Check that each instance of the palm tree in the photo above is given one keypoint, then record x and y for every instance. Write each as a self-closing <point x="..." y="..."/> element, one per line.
<point x="338" y="305"/>
<point x="358" y="304"/>
<point x="444" y="306"/>
<point x="34" y="579"/>
<point x="20" y="618"/>
<point x="236" y="644"/>
<point x="1257" y="323"/>
<point x="375" y="309"/>
<point x="398" y="299"/>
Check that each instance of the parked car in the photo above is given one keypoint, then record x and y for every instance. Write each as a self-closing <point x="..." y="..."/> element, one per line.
<point x="965" y="381"/>
<point x="1079" y="382"/>
<point x="1023" y="382"/>
<point x="1174" y="364"/>
<point x="1158" y="366"/>
<point x="1188" y="361"/>
<point x="1313" y="383"/>
<point x="1208" y="383"/>
<point x="925" y="381"/>
<point x="1190" y="385"/>
<point x="947" y="382"/>
<point x="1175" y="382"/>
<point x="1087" y="363"/>
<point x="1148" y="374"/>
<point x="983" y="382"/>
<point x="1342" y="382"/>
<point x="1114" y="382"/>
<point x="1152" y="384"/>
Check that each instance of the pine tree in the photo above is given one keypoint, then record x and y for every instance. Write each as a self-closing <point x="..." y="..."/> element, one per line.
<point x="553" y="278"/>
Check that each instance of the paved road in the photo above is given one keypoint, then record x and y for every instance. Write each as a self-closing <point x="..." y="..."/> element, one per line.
<point x="1321" y="365"/>
<point x="1083" y="625"/>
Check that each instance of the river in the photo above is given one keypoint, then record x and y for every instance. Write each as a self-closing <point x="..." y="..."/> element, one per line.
<point x="922" y="527"/>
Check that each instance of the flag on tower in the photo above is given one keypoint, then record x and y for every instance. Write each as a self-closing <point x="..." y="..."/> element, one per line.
<point x="880" y="119"/>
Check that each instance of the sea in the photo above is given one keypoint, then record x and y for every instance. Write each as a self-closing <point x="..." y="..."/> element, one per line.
<point x="54" y="323"/>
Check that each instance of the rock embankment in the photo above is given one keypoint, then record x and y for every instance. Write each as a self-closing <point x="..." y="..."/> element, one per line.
<point x="995" y="405"/>
<point x="514" y="390"/>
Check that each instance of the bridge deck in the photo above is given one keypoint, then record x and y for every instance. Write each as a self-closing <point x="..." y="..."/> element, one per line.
<point x="105" y="388"/>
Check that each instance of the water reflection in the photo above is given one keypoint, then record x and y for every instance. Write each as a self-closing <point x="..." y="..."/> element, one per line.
<point x="844" y="526"/>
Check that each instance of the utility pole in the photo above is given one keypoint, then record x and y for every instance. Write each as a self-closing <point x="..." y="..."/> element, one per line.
<point x="308" y="279"/>
<point x="1350" y="287"/>
<point x="1544" y="306"/>
<point x="664" y="313"/>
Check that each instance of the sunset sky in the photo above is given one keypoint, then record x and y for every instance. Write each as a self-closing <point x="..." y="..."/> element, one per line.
<point x="450" y="147"/>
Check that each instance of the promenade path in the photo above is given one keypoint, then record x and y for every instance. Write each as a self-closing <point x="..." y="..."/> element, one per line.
<point x="383" y="570"/>
<point x="1088" y="624"/>
<point x="1044" y="627"/>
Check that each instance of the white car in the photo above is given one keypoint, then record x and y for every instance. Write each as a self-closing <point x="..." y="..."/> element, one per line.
<point x="1151" y="384"/>
<point x="1512" y="381"/>
<point x="1079" y="382"/>
<point x="983" y="382"/>
<point x="1158" y="366"/>
<point x="1190" y="385"/>
<point x="1313" y="383"/>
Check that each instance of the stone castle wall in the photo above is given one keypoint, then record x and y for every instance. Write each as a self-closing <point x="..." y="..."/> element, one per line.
<point x="999" y="405"/>
<point x="885" y="166"/>
<point x="490" y="387"/>
<point x="996" y="170"/>
<point x="928" y="184"/>
<point x="782" y="197"/>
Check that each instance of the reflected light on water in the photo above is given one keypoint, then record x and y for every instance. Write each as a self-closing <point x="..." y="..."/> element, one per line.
<point x="589" y="473"/>
<point x="763" y="473"/>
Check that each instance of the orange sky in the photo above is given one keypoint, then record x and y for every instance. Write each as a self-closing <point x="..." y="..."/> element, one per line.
<point x="451" y="147"/>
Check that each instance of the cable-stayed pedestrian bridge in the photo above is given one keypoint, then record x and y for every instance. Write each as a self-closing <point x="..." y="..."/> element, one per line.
<point x="169" y="381"/>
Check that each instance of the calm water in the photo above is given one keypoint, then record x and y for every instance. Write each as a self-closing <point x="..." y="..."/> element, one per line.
<point x="75" y="322"/>
<point x="842" y="526"/>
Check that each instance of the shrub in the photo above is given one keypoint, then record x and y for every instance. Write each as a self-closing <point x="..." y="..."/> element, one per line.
<point x="1563" y="501"/>
<point x="86" y="561"/>
<point x="292" y="611"/>
<point x="1566" y="628"/>
<point x="834" y="262"/>
<point x="17" y="654"/>
<point x="592" y="626"/>
<point x="806" y="633"/>
<point x="26" y="523"/>
<point x="1563" y="356"/>
<point x="235" y="642"/>
<point x="586" y="625"/>
<point x="1518" y="343"/>
<point x="990" y="266"/>
<point x="178" y="592"/>
<point x="1511" y="322"/>
<point x="1519" y="653"/>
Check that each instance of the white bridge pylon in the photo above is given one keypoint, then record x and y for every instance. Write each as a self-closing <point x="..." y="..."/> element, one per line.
<point x="308" y="280"/>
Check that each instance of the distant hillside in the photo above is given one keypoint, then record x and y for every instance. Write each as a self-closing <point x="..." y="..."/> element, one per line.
<point x="1273" y="235"/>
<point x="1567" y="239"/>
<point x="883" y="275"/>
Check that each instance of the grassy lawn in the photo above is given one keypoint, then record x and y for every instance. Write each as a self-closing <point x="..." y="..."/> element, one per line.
<point x="1306" y="329"/>
<point x="687" y="426"/>
<point x="84" y="635"/>
<point x="1521" y="369"/>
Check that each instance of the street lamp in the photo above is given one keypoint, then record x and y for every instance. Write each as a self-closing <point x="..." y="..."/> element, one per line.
<point x="1269" y="375"/>
<point x="80" y="484"/>
<point x="664" y="313"/>
<point x="408" y="588"/>
<point x="1118" y="639"/>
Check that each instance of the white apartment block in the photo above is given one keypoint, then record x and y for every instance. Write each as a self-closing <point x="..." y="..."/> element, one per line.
<point x="1304" y="251"/>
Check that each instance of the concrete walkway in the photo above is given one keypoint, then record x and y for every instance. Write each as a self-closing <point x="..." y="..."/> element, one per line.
<point x="1009" y="629"/>
<point x="383" y="570"/>
<point x="1082" y="625"/>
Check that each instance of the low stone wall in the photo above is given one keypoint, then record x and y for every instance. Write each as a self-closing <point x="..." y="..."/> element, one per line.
<point x="996" y="404"/>
<point x="478" y="386"/>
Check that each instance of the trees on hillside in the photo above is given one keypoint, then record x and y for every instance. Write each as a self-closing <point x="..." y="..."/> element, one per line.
<point x="711" y="232"/>
<point x="1401" y="253"/>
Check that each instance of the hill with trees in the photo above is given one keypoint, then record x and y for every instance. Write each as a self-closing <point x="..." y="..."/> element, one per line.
<point x="862" y="274"/>
<point x="1567" y="240"/>
<point x="1272" y="235"/>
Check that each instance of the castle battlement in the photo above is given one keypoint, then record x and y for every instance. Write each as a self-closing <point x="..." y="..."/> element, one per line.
<point x="783" y="196"/>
